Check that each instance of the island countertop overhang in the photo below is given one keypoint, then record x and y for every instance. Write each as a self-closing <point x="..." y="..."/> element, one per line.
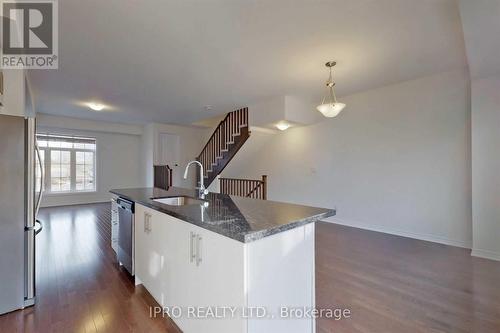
<point x="242" y="219"/>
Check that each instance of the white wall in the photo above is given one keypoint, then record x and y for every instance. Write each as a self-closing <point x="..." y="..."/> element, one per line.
<point x="88" y="125"/>
<point x="486" y="167"/>
<point x="395" y="160"/>
<point x="118" y="156"/>
<point x="289" y="108"/>
<point x="125" y="154"/>
<point x="147" y="154"/>
<point x="481" y="29"/>
<point x="191" y="141"/>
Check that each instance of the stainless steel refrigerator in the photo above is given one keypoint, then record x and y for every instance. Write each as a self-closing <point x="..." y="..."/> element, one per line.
<point x="19" y="203"/>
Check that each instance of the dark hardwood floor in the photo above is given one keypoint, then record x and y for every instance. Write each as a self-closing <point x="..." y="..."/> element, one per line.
<point x="80" y="286"/>
<point x="389" y="283"/>
<point x="397" y="284"/>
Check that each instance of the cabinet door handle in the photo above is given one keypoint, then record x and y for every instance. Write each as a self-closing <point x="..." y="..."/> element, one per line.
<point x="147" y="222"/>
<point x="199" y="252"/>
<point x="192" y="254"/>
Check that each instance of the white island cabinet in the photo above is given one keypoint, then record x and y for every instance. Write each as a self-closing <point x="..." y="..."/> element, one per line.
<point x="114" y="223"/>
<point x="206" y="275"/>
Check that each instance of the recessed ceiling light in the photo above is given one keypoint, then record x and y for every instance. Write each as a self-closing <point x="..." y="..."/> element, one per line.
<point x="283" y="125"/>
<point x="96" y="106"/>
<point x="208" y="107"/>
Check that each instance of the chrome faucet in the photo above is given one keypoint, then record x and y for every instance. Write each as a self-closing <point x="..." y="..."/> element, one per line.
<point x="202" y="189"/>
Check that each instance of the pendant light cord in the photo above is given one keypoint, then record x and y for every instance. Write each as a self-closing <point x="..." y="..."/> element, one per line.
<point x="330" y="84"/>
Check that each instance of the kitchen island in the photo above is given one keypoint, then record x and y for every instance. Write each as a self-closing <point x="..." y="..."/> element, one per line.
<point x="224" y="263"/>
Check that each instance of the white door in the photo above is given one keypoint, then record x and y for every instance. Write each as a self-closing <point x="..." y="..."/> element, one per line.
<point x="148" y="258"/>
<point x="219" y="282"/>
<point x="192" y="269"/>
<point x="178" y="273"/>
<point x="141" y="243"/>
<point x="167" y="149"/>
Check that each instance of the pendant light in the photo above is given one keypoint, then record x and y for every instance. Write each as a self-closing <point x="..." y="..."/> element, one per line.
<point x="330" y="108"/>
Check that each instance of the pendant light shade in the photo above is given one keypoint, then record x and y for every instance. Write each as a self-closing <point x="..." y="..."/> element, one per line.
<point x="330" y="110"/>
<point x="330" y="107"/>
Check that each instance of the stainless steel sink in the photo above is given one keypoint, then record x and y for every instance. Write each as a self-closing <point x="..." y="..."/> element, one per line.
<point x="180" y="201"/>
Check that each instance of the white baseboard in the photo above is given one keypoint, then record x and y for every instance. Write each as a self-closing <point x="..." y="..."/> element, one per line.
<point x="486" y="254"/>
<point x="409" y="234"/>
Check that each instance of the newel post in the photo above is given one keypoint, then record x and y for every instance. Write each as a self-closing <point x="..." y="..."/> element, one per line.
<point x="264" y="185"/>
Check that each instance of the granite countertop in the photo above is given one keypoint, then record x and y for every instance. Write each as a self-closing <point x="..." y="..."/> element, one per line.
<point x="239" y="218"/>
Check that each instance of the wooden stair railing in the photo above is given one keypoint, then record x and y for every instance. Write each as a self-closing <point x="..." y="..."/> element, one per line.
<point x="162" y="176"/>
<point x="226" y="140"/>
<point x="250" y="188"/>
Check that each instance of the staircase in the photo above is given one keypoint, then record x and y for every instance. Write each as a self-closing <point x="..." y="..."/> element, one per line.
<point x="226" y="140"/>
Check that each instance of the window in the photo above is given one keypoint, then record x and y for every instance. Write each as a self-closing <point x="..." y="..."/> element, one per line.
<point x="37" y="172"/>
<point x="60" y="171"/>
<point x="84" y="171"/>
<point x="69" y="163"/>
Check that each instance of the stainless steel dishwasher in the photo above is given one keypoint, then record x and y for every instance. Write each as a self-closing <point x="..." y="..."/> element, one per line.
<point x="125" y="253"/>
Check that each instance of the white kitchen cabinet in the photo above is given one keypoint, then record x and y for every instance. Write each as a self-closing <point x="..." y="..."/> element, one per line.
<point x="143" y="245"/>
<point x="178" y="267"/>
<point x="212" y="275"/>
<point x="188" y="267"/>
<point x="148" y="257"/>
<point x="185" y="266"/>
<point x="114" y="224"/>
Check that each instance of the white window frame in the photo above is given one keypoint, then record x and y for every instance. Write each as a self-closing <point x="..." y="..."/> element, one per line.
<point x="48" y="164"/>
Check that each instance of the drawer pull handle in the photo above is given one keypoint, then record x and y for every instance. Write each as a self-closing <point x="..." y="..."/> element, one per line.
<point x="192" y="254"/>
<point x="147" y="223"/>
<point x="199" y="257"/>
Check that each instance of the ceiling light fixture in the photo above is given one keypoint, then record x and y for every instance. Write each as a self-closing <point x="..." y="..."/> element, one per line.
<point x="283" y="125"/>
<point x="332" y="108"/>
<point x="96" y="106"/>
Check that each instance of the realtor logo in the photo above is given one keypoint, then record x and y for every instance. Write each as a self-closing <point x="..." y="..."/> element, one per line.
<point x="29" y="34"/>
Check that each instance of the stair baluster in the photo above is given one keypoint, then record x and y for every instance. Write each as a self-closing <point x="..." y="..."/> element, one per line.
<point x="226" y="140"/>
<point x="250" y="188"/>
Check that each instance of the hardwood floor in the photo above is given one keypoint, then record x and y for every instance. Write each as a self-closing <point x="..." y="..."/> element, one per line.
<point x="80" y="286"/>
<point x="389" y="283"/>
<point x="397" y="284"/>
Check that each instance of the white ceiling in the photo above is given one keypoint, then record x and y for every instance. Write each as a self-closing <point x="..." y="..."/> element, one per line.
<point x="165" y="60"/>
